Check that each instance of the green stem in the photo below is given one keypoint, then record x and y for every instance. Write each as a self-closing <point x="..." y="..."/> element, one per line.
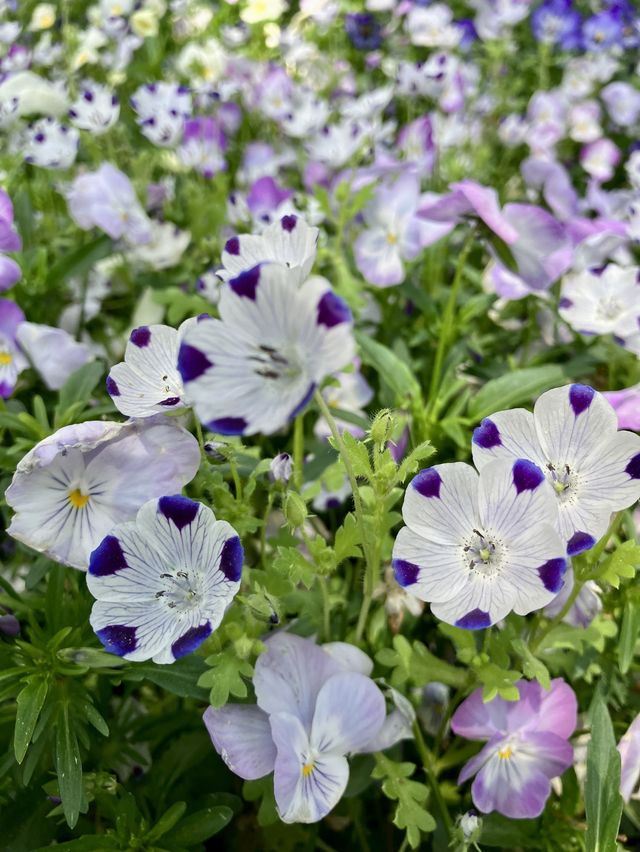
<point x="446" y="332"/>
<point x="236" y="479"/>
<point x="426" y="759"/>
<point x="263" y="531"/>
<point x="326" y="607"/>
<point x="298" y="450"/>
<point x="371" y="572"/>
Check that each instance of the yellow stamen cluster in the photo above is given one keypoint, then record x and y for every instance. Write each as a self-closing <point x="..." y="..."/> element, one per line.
<point x="77" y="499"/>
<point x="505" y="753"/>
<point x="307" y="769"/>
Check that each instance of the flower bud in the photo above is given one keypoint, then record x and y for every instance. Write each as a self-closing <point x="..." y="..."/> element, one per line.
<point x="382" y="426"/>
<point x="9" y="625"/>
<point x="281" y="468"/>
<point x="295" y="510"/>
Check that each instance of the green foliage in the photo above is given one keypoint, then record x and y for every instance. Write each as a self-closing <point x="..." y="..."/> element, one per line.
<point x="410" y="813"/>
<point x="603" y="802"/>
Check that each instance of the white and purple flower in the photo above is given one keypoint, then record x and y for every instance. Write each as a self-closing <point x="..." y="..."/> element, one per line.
<point x="478" y="547"/>
<point x="258" y="366"/>
<point x="96" y="109"/>
<point x="50" y="145"/>
<point x="161" y="109"/>
<point x="164" y="581"/>
<point x="573" y="437"/>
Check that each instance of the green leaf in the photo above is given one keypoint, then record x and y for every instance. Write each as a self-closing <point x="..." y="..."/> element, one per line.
<point x="628" y="635"/>
<point x="358" y="455"/>
<point x="80" y="385"/>
<point x="68" y="766"/>
<point x="262" y="790"/>
<point x="621" y="563"/>
<point x="533" y="668"/>
<point x="181" y="678"/>
<point x="603" y="802"/>
<point x="29" y="704"/>
<point x="347" y="540"/>
<point x="79" y="261"/>
<point x="226" y="677"/>
<point x="411" y="796"/>
<point x="513" y="389"/>
<point x="167" y="821"/>
<point x="200" y="826"/>
<point x="497" y="681"/>
<point x="392" y="369"/>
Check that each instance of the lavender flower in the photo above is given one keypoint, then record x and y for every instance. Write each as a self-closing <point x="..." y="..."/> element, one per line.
<point x="202" y="147"/>
<point x="9" y="241"/>
<point x="12" y="361"/>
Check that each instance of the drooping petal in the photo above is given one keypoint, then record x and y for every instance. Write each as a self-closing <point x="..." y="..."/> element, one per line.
<point x="350" y="711"/>
<point x="241" y="734"/>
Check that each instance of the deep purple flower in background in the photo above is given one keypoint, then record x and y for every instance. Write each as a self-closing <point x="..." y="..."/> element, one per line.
<point x="602" y="31"/>
<point x="557" y="22"/>
<point x="364" y="30"/>
<point x="9" y="241"/>
<point x="528" y="745"/>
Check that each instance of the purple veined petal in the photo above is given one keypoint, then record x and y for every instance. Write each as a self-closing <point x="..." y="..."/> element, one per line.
<point x="475" y="719"/>
<point x="395" y="727"/>
<point x="475" y="764"/>
<point x="290" y="674"/>
<point x="557" y="709"/>
<point x="440" y="503"/>
<point x="307" y="784"/>
<point x="552" y="754"/>
<point x="350" y="711"/>
<point x="241" y="734"/>
<point x="134" y="630"/>
<point x="511" y="785"/>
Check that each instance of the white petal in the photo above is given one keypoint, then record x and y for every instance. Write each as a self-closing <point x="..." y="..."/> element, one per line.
<point x="507" y="435"/>
<point x="440" y="503"/>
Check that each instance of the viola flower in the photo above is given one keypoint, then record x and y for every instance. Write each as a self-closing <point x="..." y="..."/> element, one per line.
<point x="267" y="201"/>
<point x="147" y="382"/>
<point x="12" y="361"/>
<point x="572" y="436"/>
<point x="600" y="158"/>
<point x="164" y="581"/>
<point x="602" y="31"/>
<point x="96" y="109"/>
<point x="289" y="241"/>
<point x="478" y="547"/>
<point x="107" y="200"/>
<point x="50" y="145"/>
<point x="528" y="745"/>
<point x="54" y="354"/>
<point x="629" y="749"/>
<point x="557" y="22"/>
<point x="202" y="147"/>
<point x="622" y="101"/>
<point x="73" y="487"/>
<point x="315" y="705"/>
<point x="257" y="366"/>
<point x="585" y="607"/>
<point x="364" y="30"/>
<point x="161" y="110"/>
<point x="10" y="240"/>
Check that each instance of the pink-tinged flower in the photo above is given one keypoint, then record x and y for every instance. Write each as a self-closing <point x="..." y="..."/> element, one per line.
<point x="267" y="201"/>
<point x="629" y="748"/>
<point x="12" y="361"/>
<point x="9" y="241"/>
<point x="315" y="705"/>
<point x="626" y="404"/>
<point x="470" y="200"/>
<point x="54" y="354"/>
<point x="600" y="158"/>
<point x="527" y="746"/>
<point x="106" y="199"/>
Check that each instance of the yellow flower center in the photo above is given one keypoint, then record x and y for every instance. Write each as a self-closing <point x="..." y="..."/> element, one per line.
<point x="307" y="769"/>
<point x="77" y="499"/>
<point x="392" y="239"/>
<point x="6" y="358"/>
<point x="505" y="753"/>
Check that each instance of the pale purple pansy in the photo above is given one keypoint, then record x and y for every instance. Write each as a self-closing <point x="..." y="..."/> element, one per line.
<point x="164" y="581"/>
<point x="528" y="745"/>
<point x="468" y="199"/>
<point x="629" y="749"/>
<point x="12" y="361"/>
<point x="257" y="366"/>
<point x="73" y="487"/>
<point x="315" y="705"/>
<point x="9" y="241"/>
<point x="573" y="436"/>
<point x="52" y="351"/>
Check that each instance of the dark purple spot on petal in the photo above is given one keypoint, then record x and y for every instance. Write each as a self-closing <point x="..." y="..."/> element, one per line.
<point x="140" y="337"/>
<point x="112" y="387"/>
<point x="332" y="310"/>
<point x="118" y="638"/>
<point x="192" y="363"/>
<point x="232" y="246"/>
<point x="227" y="425"/>
<point x="333" y="503"/>
<point x="289" y="222"/>
<point x="88" y="96"/>
<point x="565" y="302"/>
<point x="633" y="468"/>
<point x="579" y="542"/>
<point x="474" y="620"/>
<point x="178" y="509"/>
<point x="551" y="574"/>
<point x="304" y="401"/>
<point x="246" y="283"/>
<point x="427" y="482"/>
<point x="406" y="573"/>
<point x="526" y="475"/>
<point x="231" y="559"/>
<point x="580" y="397"/>
<point x="192" y="639"/>
<point x="107" y="558"/>
<point x="487" y="435"/>
<point x="203" y="316"/>
<point x="173" y="400"/>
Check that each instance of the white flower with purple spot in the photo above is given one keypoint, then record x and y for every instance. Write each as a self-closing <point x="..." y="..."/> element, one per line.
<point x="290" y="241"/>
<point x="50" y="145"/>
<point x="96" y="109"/>
<point x="203" y="145"/>
<point x="163" y="582"/>
<point x="162" y="109"/>
<point x="258" y="366"/>
<point x="147" y="382"/>
<point x="73" y="487"/>
<point x="607" y="302"/>
<point x="573" y="436"/>
<point x="478" y="547"/>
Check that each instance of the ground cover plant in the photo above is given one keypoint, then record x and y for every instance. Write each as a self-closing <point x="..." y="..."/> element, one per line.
<point x="319" y="401"/>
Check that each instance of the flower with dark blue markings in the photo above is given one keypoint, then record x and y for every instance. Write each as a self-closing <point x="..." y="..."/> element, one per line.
<point x="258" y="366"/>
<point x="163" y="582"/>
<point x="573" y="436"/>
<point x="363" y="30"/>
<point x="478" y="547"/>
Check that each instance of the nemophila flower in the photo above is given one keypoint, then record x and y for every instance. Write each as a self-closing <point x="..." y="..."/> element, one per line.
<point x="528" y="745"/>
<point x="394" y="232"/>
<point x="281" y="468"/>
<point x="315" y="706"/>
<point x="629" y="749"/>
<point x="557" y="22"/>
<point x="202" y="146"/>
<point x="626" y="404"/>
<point x="289" y="241"/>
<point x="73" y="487"/>
<point x="602" y="303"/>
<point x="257" y="366"/>
<point x="161" y="110"/>
<point x="147" y="382"/>
<point x="52" y="351"/>
<point x="165" y="248"/>
<point x="572" y="435"/>
<point x="50" y="145"/>
<point x="479" y="547"/>
<point x="107" y="200"/>
<point x="364" y="30"/>
<point x="9" y="241"/>
<point x="12" y="361"/>
<point x="584" y="608"/>
<point x="96" y="109"/>
<point x="164" y="581"/>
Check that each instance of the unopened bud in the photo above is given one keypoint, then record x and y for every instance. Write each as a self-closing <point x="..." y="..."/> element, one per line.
<point x="470" y="823"/>
<point x="213" y="450"/>
<point x="382" y="426"/>
<point x="9" y="625"/>
<point x="281" y="468"/>
<point x="295" y="510"/>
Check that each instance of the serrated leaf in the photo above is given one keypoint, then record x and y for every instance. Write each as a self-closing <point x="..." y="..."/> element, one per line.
<point x="622" y="563"/>
<point x="514" y="389"/>
<point x="603" y="802"/>
<point x="225" y="677"/>
<point x="347" y="540"/>
<point x="29" y="704"/>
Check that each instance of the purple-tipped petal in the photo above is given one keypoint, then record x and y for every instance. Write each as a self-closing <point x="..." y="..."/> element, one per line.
<point x="141" y="336"/>
<point x="580" y="398"/>
<point x="527" y="476"/>
<point x="107" y="558"/>
<point x="232" y="246"/>
<point x="427" y="483"/>
<point x="289" y="223"/>
<point x="487" y="435"/>
<point x="189" y="641"/>
<point x="579" y="542"/>
<point x="112" y="387"/>
<point x="332" y="310"/>
<point x="228" y="425"/>
<point x="246" y="284"/>
<point x="178" y="509"/>
<point x="406" y="573"/>
<point x="231" y="559"/>
<point x="192" y="363"/>
<point x="477" y="619"/>
<point x="552" y="573"/>
<point x="633" y="468"/>
<point x="118" y="638"/>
